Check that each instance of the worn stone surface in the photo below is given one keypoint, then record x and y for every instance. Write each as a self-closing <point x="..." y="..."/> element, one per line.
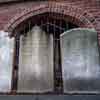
<point x="6" y="62"/>
<point x="36" y="62"/>
<point x="80" y="61"/>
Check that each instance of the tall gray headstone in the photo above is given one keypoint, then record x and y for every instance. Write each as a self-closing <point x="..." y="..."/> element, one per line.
<point x="80" y="60"/>
<point x="6" y="61"/>
<point x="36" y="62"/>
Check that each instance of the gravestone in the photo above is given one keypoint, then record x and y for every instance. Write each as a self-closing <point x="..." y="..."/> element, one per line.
<point x="36" y="62"/>
<point x="6" y="61"/>
<point x="80" y="61"/>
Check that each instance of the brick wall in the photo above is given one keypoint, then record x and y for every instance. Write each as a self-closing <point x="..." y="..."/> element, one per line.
<point x="79" y="11"/>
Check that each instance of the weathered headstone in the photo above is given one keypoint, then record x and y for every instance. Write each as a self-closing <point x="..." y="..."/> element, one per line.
<point x="6" y="61"/>
<point x="80" y="60"/>
<point x="36" y="62"/>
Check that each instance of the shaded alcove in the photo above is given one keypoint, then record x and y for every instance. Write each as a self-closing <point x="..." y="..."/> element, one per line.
<point x="48" y="30"/>
<point x="50" y="25"/>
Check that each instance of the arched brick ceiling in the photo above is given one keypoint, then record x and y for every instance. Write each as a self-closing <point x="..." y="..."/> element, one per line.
<point x="10" y="11"/>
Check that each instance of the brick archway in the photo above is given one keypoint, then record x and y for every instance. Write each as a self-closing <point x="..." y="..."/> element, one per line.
<point x="75" y="15"/>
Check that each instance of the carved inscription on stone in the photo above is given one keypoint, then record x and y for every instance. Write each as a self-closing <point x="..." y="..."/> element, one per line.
<point x="80" y="61"/>
<point x="6" y="61"/>
<point x="36" y="62"/>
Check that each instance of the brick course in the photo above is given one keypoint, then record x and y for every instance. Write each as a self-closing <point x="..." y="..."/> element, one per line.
<point x="80" y="12"/>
